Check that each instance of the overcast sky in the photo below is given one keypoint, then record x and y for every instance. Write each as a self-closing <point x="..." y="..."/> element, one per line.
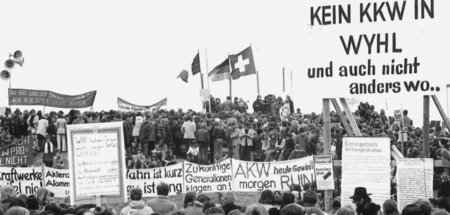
<point x="136" y="49"/>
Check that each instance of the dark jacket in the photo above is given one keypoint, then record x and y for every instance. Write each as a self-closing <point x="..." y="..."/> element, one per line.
<point x="218" y="132"/>
<point x="202" y="136"/>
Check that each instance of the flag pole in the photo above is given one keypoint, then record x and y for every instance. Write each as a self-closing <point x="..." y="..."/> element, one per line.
<point x="201" y="74"/>
<point x="292" y="86"/>
<point x="284" y="88"/>
<point x="207" y="80"/>
<point x="257" y="82"/>
<point x="229" y="77"/>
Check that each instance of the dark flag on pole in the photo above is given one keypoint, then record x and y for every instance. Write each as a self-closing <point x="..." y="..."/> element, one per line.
<point x="195" y="66"/>
<point x="221" y="71"/>
<point x="184" y="75"/>
<point x="242" y="63"/>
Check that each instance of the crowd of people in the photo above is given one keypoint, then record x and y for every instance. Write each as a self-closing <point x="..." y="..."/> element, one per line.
<point x="297" y="201"/>
<point x="272" y="131"/>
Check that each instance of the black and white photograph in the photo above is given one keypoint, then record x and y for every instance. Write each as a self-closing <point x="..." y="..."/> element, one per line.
<point x="238" y="107"/>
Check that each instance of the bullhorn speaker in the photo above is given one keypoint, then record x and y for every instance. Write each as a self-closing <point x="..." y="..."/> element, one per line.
<point x="18" y="57"/>
<point x="5" y="74"/>
<point x="9" y="64"/>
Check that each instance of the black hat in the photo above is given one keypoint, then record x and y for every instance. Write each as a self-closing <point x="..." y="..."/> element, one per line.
<point x="360" y="192"/>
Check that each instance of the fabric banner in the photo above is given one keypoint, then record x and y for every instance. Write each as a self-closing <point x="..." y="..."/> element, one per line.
<point x="127" y="106"/>
<point x="208" y="178"/>
<point x="414" y="180"/>
<point x="258" y="176"/>
<point x="366" y="163"/>
<point x="25" y="180"/>
<point x="57" y="181"/>
<point x="148" y="179"/>
<point x="18" y="153"/>
<point x="50" y="99"/>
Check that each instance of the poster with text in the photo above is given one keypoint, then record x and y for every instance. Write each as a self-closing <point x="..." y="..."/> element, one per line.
<point x="323" y="168"/>
<point x="251" y="176"/>
<point x="414" y="180"/>
<point x="366" y="163"/>
<point x="96" y="160"/>
<point x="25" y="180"/>
<point x="208" y="178"/>
<point x="148" y="179"/>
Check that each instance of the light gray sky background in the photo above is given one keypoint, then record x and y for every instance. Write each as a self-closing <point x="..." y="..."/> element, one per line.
<point x="136" y="49"/>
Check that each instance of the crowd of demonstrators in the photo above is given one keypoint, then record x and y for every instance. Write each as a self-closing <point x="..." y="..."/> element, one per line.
<point x="306" y="202"/>
<point x="272" y="132"/>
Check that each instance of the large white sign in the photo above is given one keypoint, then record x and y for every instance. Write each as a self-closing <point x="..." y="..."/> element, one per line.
<point x="366" y="163"/>
<point x="323" y="168"/>
<point x="25" y="180"/>
<point x="414" y="180"/>
<point x="363" y="48"/>
<point x="96" y="159"/>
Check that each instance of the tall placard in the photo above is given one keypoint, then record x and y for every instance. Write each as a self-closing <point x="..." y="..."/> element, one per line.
<point x="96" y="160"/>
<point x="366" y="163"/>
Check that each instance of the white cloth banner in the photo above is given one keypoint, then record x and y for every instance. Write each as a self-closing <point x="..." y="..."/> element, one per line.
<point x="57" y="181"/>
<point x="25" y="180"/>
<point x="148" y="179"/>
<point x="208" y="178"/>
<point x="257" y="176"/>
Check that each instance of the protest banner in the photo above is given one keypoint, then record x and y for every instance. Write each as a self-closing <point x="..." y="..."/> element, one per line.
<point x="414" y="180"/>
<point x="50" y="99"/>
<point x="323" y="169"/>
<point x="128" y="106"/>
<point x="57" y="181"/>
<point x="208" y="178"/>
<point x="19" y="153"/>
<point x="25" y="180"/>
<point x="364" y="48"/>
<point x="249" y="176"/>
<point x="366" y="163"/>
<point x="148" y="179"/>
<point x="96" y="160"/>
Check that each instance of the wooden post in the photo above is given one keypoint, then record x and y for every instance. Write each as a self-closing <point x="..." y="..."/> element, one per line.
<point x="257" y="82"/>
<point x="352" y="120"/>
<point x="342" y="117"/>
<point x="284" y="88"/>
<point x="441" y="111"/>
<point x="426" y="126"/>
<point x="327" y="148"/>
<point x="98" y="201"/>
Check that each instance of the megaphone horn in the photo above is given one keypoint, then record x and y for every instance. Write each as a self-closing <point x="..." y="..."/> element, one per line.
<point x="18" y="55"/>
<point x="20" y="62"/>
<point x="5" y="74"/>
<point x="9" y="64"/>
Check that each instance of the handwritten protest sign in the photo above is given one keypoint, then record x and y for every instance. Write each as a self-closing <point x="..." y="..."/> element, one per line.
<point x="366" y="162"/>
<point x="370" y="47"/>
<point x="323" y="168"/>
<point x="25" y="180"/>
<point x="18" y="153"/>
<point x="208" y="178"/>
<point x="414" y="180"/>
<point x="257" y="176"/>
<point x="57" y="181"/>
<point x="96" y="159"/>
<point x="148" y="179"/>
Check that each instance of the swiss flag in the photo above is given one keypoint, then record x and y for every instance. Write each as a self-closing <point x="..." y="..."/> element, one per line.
<point x="242" y="63"/>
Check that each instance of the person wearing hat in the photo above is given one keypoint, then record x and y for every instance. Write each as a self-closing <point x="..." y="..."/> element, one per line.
<point x="361" y="199"/>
